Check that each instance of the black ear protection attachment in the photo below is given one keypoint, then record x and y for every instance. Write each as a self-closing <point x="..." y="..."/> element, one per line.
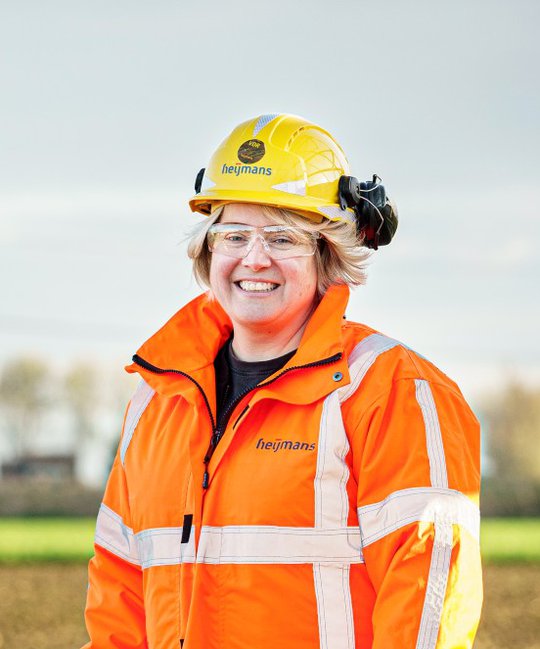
<point x="376" y="216"/>
<point x="198" y="181"/>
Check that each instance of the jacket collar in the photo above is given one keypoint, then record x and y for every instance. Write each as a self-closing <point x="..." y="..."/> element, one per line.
<point x="189" y="342"/>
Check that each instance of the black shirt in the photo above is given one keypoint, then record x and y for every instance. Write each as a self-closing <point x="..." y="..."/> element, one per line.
<point x="234" y="377"/>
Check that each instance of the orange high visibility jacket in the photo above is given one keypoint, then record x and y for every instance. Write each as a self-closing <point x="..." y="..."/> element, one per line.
<point x="341" y="506"/>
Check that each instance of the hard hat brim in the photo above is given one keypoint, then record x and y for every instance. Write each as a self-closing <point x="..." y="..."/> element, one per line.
<point x="206" y="202"/>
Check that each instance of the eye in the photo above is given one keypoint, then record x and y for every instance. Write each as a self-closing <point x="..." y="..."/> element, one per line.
<point x="235" y="238"/>
<point x="282" y="240"/>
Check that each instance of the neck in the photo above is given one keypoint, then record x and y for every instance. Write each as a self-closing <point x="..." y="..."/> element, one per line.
<point x="263" y="343"/>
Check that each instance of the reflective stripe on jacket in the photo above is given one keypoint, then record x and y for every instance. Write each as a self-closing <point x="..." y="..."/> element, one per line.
<point x="342" y="502"/>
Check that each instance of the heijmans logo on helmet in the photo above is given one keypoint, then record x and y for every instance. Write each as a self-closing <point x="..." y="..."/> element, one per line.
<point x="251" y="151"/>
<point x="238" y="169"/>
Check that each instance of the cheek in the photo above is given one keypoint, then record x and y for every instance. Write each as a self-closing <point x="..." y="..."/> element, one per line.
<point x="220" y="270"/>
<point x="213" y="273"/>
<point x="305" y="279"/>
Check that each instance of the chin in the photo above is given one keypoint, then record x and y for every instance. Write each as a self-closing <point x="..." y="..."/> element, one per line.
<point x="261" y="317"/>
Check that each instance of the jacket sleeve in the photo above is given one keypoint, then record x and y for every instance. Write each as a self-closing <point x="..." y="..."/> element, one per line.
<point x="114" y="611"/>
<point x="418" y="487"/>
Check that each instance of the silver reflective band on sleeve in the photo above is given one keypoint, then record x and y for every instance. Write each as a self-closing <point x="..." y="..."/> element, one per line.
<point x="139" y="402"/>
<point x="280" y="545"/>
<point x="427" y="504"/>
<point x="113" y="535"/>
<point x="434" y="443"/>
<point x="439" y="570"/>
<point x="362" y="358"/>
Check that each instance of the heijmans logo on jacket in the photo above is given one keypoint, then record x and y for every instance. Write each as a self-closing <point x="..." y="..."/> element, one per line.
<point x="284" y="445"/>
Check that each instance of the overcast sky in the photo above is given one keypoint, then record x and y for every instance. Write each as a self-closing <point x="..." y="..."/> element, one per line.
<point x="109" y="108"/>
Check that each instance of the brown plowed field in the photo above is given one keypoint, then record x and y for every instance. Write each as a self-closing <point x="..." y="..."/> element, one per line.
<point x="41" y="607"/>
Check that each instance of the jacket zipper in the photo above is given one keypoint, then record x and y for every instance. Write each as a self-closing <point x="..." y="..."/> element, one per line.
<point x="217" y="434"/>
<point x="158" y="370"/>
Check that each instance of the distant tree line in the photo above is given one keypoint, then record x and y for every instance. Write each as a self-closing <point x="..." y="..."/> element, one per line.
<point x="87" y="403"/>
<point x="83" y="399"/>
<point x="30" y="390"/>
<point x="511" y="485"/>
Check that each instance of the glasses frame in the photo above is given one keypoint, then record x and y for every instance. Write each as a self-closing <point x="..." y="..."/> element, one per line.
<point x="256" y="233"/>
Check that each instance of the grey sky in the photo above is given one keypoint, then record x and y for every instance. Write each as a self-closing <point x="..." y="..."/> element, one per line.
<point x="110" y="108"/>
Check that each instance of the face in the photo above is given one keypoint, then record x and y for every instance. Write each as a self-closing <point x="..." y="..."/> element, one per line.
<point x="293" y="282"/>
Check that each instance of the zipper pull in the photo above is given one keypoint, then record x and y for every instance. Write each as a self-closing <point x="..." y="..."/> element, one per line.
<point x="214" y="441"/>
<point x="216" y="436"/>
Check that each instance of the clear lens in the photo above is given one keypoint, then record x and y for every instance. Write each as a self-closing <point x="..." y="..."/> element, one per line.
<point x="279" y="241"/>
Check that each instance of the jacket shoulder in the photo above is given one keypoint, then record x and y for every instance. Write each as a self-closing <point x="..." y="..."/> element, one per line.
<point x="388" y="358"/>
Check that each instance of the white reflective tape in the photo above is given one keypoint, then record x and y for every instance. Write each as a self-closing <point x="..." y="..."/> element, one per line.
<point x="162" y="546"/>
<point x="331" y="581"/>
<point x="334" y="606"/>
<point x="207" y="183"/>
<point x="113" y="535"/>
<point x="292" y="187"/>
<point x="426" y="504"/>
<point x="335" y="213"/>
<point x="280" y="545"/>
<point x="263" y="121"/>
<point x="139" y="402"/>
<point x="332" y="473"/>
<point x="439" y="570"/>
<point x="159" y="546"/>
<point x="362" y="358"/>
<point x="434" y="443"/>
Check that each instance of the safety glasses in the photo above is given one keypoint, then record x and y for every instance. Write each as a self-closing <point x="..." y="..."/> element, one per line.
<point x="278" y="241"/>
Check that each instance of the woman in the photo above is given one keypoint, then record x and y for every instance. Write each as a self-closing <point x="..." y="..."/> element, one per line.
<point x="286" y="477"/>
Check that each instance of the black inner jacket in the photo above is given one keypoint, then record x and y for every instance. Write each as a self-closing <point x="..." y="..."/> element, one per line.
<point x="234" y="377"/>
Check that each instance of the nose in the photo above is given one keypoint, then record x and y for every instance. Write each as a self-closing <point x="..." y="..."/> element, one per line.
<point x="257" y="256"/>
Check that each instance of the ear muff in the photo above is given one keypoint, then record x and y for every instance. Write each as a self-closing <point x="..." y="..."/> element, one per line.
<point x="376" y="215"/>
<point x="198" y="180"/>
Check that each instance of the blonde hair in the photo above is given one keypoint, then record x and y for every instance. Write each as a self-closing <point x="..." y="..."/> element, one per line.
<point x="339" y="258"/>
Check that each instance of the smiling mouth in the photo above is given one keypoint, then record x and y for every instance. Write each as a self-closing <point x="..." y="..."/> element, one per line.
<point x="256" y="287"/>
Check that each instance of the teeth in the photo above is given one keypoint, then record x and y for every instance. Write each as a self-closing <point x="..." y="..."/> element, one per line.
<point x="257" y="286"/>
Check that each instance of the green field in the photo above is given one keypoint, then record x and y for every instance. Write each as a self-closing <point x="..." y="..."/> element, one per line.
<point x="46" y="539"/>
<point x="70" y="539"/>
<point x="506" y="540"/>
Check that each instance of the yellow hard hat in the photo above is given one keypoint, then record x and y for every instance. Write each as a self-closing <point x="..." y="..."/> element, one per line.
<point x="279" y="160"/>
